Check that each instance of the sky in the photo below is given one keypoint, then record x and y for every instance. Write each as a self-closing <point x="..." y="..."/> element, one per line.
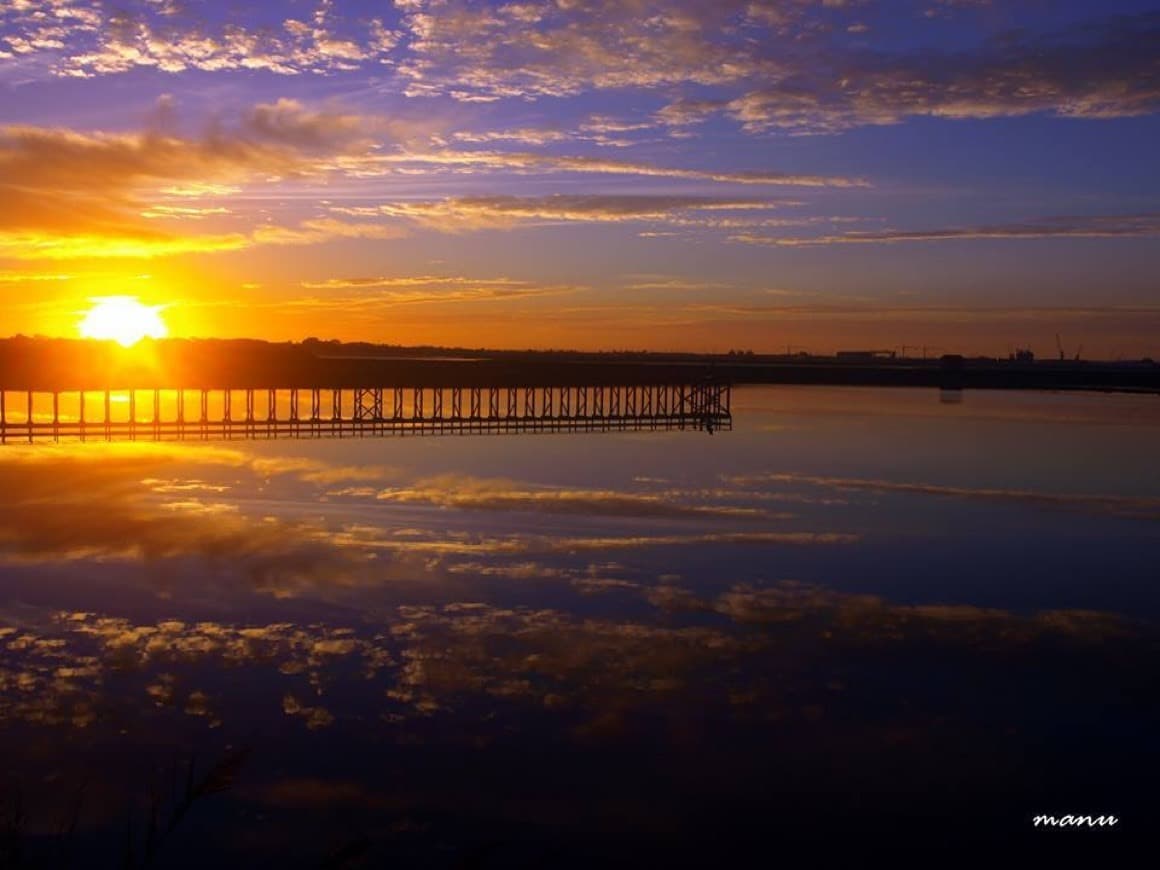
<point x="954" y="175"/>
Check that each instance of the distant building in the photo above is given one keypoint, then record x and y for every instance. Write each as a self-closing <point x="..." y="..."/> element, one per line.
<point x="865" y="355"/>
<point x="1023" y="355"/>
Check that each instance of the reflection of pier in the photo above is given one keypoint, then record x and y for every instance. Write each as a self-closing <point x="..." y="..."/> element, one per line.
<point x="158" y="414"/>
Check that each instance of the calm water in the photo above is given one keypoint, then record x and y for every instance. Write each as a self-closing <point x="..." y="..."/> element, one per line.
<point x="862" y="613"/>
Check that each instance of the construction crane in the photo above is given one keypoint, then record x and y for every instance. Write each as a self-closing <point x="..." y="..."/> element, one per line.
<point x="1059" y="346"/>
<point x="1079" y="350"/>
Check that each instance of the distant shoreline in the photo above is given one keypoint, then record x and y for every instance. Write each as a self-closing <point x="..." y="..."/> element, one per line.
<point x="61" y="365"/>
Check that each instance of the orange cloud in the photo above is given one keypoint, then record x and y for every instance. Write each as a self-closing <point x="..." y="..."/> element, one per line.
<point x="71" y="194"/>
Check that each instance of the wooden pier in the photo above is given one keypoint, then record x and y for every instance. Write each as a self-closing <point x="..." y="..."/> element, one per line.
<point x="210" y="414"/>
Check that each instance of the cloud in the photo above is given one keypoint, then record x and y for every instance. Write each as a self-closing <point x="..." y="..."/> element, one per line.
<point x="1131" y="507"/>
<point x="515" y="571"/>
<point x="1103" y="68"/>
<point x="26" y="278"/>
<point x="112" y="242"/>
<point x="477" y="52"/>
<point x="599" y="129"/>
<point x="503" y="495"/>
<point x="102" y="501"/>
<point x="527" y="162"/>
<point x="71" y="194"/>
<point x="312" y="232"/>
<point x="281" y="139"/>
<point x="129" y="242"/>
<point x="1116" y="316"/>
<point x="91" y="39"/>
<point x="873" y="620"/>
<point x="61" y="662"/>
<point x="406" y="282"/>
<point x="771" y="65"/>
<point x="503" y="212"/>
<point x="685" y="112"/>
<point x="548" y="544"/>
<point x="523" y="135"/>
<point x="374" y="292"/>
<point x="128" y="502"/>
<point x="283" y="553"/>
<point x="288" y="122"/>
<point x="178" y="212"/>
<point x="1079" y="227"/>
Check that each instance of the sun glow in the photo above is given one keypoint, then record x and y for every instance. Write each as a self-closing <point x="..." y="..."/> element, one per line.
<point x="123" y="319"/>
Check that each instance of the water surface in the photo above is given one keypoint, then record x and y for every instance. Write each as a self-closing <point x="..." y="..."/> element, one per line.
<point x="863" y="611"/>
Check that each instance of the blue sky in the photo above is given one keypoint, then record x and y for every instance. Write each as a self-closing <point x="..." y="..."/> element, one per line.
<point x="704" y="175"/>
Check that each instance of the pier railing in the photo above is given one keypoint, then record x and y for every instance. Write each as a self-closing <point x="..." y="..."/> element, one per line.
<point x="176" y="414"/>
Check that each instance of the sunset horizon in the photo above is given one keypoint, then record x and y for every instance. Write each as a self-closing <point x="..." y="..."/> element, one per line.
<point x="578" y="434"/>
<point x="594" y="175"/>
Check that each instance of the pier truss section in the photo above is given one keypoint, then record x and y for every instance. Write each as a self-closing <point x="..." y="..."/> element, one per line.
<point x="176" y="414"/>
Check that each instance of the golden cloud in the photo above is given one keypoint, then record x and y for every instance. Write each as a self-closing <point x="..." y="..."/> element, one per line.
<point x="71" y="194"/>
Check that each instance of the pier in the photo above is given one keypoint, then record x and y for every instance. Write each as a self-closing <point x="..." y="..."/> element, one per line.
<point x="208" y="414"/>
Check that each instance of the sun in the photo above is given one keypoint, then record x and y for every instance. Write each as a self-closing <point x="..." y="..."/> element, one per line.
<point x="123" y="319"/>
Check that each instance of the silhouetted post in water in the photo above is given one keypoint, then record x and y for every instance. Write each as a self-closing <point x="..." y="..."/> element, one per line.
<point x="30" y="416"/>
<point x="951" y="372"/>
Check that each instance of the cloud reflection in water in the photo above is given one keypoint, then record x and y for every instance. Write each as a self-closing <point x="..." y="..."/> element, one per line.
<point x="441" y="653"/>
